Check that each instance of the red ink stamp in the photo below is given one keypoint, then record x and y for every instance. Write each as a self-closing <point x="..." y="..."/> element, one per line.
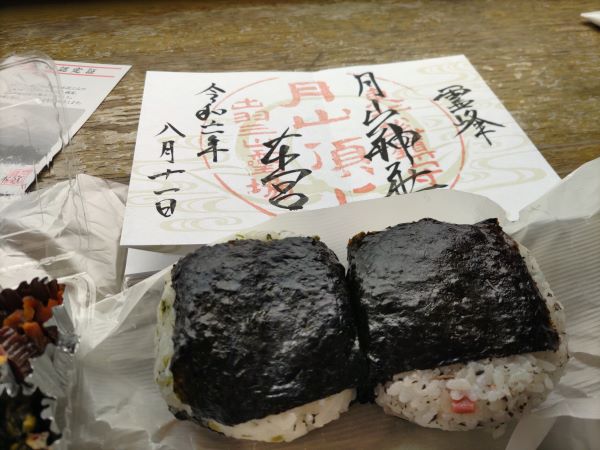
<point x="17" y="177"/>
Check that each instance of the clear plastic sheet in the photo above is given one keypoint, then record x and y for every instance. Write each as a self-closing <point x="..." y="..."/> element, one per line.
<point x="32" y="120"/>
<point x="117" y="405"/>
<point x="46" y="234"/>
<point x="32" y="131"/>
<point x="65" y="238"/>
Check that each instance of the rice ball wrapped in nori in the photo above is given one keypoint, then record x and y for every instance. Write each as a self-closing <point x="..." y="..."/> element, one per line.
<point x="256" y="338"/>
<point x="458" y="325"/>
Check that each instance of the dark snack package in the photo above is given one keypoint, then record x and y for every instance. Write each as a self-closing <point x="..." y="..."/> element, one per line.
<point x="37" y="345"/>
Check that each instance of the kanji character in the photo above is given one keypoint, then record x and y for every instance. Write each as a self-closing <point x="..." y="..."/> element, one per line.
<point x="309" y="89"/>
<point x="166" y="207"/>
<point x="322" y="119"/>
<point x="345" y="155"/>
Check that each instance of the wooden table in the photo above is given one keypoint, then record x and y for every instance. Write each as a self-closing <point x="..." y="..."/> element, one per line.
<point x="541" y="59"/>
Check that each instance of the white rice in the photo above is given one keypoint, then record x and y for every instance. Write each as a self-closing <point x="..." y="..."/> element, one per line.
<point x="282" y="427"/>
<point x="291" y="424"/>
<point x="164" y="350"/>
<point x="501" y="388"/>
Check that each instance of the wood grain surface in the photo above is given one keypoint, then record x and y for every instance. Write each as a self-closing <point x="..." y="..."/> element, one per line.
<point x="540" y="58"/>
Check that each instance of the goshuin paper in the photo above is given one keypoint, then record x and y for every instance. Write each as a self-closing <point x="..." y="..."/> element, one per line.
<point x="220" y="152"/>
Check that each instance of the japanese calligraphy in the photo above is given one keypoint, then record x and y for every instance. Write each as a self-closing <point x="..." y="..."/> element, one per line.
<point x="367" y="79"/>
<point x="166" y="207"/>
<point x="309" y="89"/>
<point x="322" y="119"/>
<point x="213" y="147"/>
<point x="324" y="116"/>
<point x="386" y="135"/>
<point x="465" y="115"/>
<point x="214" y="128"/>
<point x="399" y="182"/>
<point x="168" y="147"/>
<point x="282" y="179"/>
<point x="165" y="174"/>
<point x="259" y="144"/>
<point x="348" y="153"/>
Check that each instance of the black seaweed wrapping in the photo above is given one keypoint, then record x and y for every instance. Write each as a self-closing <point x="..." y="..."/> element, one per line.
<point x="261" y="327"/>
<point x="430" y="293"/>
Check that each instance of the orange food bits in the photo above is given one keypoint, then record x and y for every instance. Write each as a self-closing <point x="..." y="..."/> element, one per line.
<point x="43" y="313"/>
<point x="30" y="305"/>
<point x="52" y="303"/>
<point x="34" y="332"/>
<point x="15" y="319"/>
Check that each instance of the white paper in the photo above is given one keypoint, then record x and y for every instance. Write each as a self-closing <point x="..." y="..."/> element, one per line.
<point x="140" y="264"/>
<point x="180" y="195"/>
<point x="121" y="407"/>
<point x="593" y="17"/>
<point x="28" y="140"/>
<point x="562" y="229"/>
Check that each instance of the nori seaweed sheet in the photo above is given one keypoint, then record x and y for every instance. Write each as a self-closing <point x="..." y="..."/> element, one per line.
<point x="261" y="327"/>
<point x="429" y="293"/>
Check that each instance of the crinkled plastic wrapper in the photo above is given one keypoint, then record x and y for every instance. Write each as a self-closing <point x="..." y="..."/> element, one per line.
<point x="46" y="235"/>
